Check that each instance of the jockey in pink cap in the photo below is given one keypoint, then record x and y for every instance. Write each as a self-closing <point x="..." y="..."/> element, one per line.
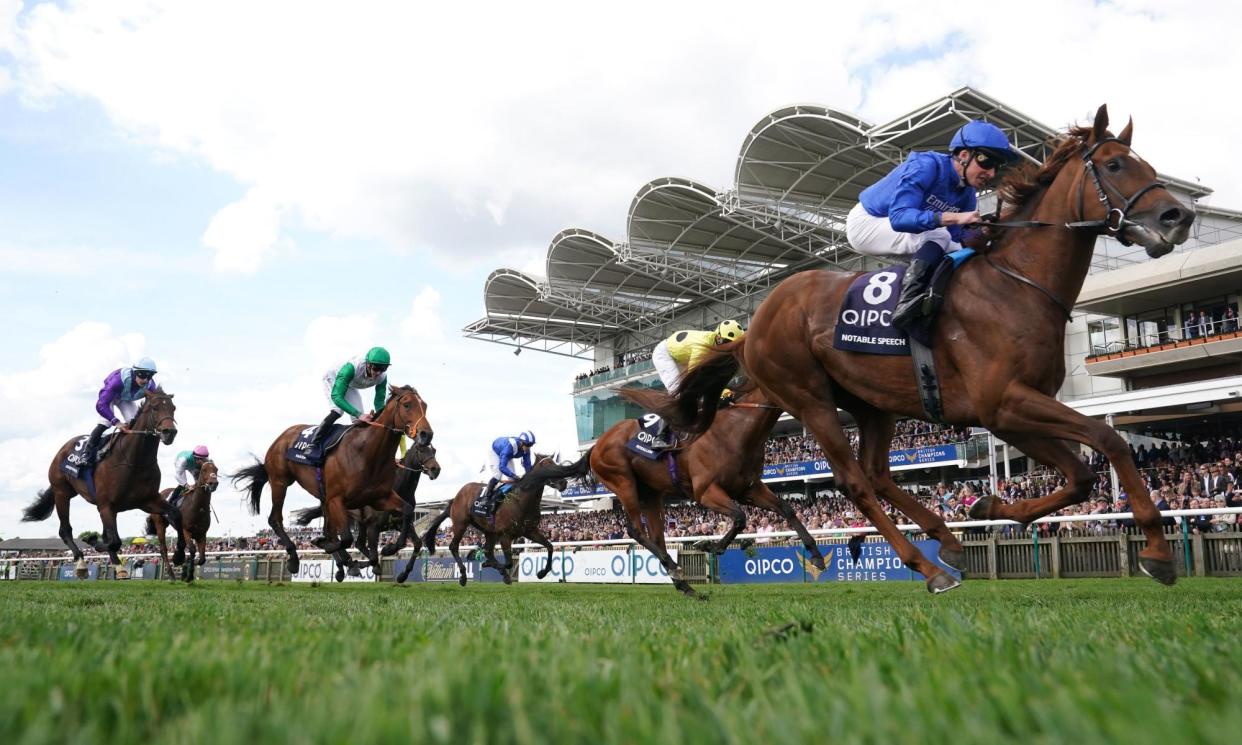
<point x="188" y="463"/>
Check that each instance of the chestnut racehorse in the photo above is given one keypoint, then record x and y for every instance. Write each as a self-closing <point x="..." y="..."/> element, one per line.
<point x="359" y="472"/>
<point x="718" y="470"/>
<point x="128" y="478"/>
<point x="999" y="346"/>
<point x="517" y="516"/>
<point x="195" y="509"/>
<point x="371" y="522"/>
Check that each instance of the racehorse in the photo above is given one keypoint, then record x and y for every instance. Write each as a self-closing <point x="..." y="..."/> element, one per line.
<point x="717" y="470"/>
<point x="128" y="477"/>
<point x="359" y="472"/>
<point x="998" y="346"/>
<point x="517" y="516"/>
<point x="195" y="509"/>
<point x="371" y="522"/>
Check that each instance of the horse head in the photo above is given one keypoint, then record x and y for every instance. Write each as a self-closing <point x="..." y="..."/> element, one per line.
<point x="208" y="476"/>
<point x="1129" y="201"/>
<point x="157" y="416"/>
<point x="410" y="413"/>
<point x="423" y="458"/>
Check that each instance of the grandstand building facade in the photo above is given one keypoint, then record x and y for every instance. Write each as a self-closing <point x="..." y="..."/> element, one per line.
<point x="1154" y="345"/>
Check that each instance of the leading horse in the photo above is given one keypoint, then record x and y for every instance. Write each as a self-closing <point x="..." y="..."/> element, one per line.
<point x="359" y="472"/>
<point x="128" y="478"/>
<point x="718" y="470"/>
<point x="999" y="347"/>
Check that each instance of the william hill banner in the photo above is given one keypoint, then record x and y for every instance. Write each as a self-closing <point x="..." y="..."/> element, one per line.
<point x="878" y="562"/>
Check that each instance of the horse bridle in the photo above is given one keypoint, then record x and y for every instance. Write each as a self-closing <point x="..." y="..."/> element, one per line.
<point x="1105" y="226"/>
<point x="1102" y="185"/>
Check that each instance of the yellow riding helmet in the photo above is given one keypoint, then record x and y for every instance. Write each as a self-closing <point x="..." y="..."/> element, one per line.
<point x="729" y="331"/>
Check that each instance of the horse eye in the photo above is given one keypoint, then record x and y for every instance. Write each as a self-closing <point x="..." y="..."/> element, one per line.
<point x="1113" y="165"/>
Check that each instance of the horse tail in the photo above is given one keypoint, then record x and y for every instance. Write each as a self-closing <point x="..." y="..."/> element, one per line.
<point x="581" y="470"/>
<point x="429" y="538"/>
<point x="304" y="517"/>
<point x="41" y="508"/>
<point x="693" y="408"/>
<point x="256" y="475"/>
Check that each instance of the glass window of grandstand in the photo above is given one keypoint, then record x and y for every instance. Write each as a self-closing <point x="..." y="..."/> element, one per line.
<point x="1105" y="336"/>
<point x="1151" y="328"/>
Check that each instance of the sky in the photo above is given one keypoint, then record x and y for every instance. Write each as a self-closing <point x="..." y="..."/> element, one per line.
<point x="253" y="192"/>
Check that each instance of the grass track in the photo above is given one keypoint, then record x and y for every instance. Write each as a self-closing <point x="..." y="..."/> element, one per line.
<point x="221" y="662"/>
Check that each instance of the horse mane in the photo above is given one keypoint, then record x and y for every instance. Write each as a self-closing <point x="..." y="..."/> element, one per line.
<point x="1026" y="180"/>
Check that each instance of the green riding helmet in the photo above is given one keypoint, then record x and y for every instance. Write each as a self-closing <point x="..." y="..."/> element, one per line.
<point x="379" y="356"/>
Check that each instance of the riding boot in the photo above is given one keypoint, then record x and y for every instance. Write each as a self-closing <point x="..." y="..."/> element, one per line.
<point x="92" y="444"/>
<point x="493" y="488"/>
<point x="175" y="498"/>
<point x="324" y="427"/>
<point x="915" y="285"/>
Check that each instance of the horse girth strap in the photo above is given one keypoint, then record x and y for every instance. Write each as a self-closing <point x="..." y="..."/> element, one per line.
<point x="1014" y="275"/>
<point x="926" y="380"/>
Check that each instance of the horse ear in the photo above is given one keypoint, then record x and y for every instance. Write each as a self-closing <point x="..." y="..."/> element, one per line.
<point x="1127" y="133"/>
<point x="1100" y="128"/>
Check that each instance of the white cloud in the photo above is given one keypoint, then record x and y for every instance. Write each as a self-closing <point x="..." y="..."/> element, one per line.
<point x="424" y="322"/>
<point x="244" y="233"/>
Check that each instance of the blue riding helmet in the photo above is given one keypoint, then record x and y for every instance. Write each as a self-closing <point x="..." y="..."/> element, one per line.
<point x="527" y="438"/>
<point x="980" y="135"/>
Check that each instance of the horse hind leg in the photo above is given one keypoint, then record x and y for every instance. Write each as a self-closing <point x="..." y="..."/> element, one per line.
<point x="715" y="499"/>
<point x="66" y="530"/>
<point x="762" y="497"/>
<point x="276" y="521"/>
<point x="647" y="539"/>
<point x="875" y="438"/>
<point x="453" y="544"/>
<point x="811" y="400"/>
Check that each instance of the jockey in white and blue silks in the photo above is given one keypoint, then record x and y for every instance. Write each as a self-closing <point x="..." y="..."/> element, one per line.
<point x="500" y="457"/>
<point x="919" y="209"/>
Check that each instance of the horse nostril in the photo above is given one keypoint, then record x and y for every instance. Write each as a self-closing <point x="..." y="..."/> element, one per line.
<point x="1173" y="216"/>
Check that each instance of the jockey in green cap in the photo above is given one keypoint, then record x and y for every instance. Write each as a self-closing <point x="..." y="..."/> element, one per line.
<point x="342" y="384"/>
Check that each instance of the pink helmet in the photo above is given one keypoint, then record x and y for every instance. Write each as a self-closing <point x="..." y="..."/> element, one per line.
<point x="201" y="452"/>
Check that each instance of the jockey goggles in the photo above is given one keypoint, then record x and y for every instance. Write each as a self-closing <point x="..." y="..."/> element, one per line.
<point x="988" y="161"/>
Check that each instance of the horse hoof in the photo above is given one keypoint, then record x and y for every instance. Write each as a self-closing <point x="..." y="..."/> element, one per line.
<point x="462" y="580"/>
<point x="1160" y="570"/>
<point x="340" y="575"/>
<point x="292" y="564"/>
<point x="507" y="578"/>
<point x="982" y="509"/>
<point x="389" y="549"/>
<point x="942" y="582"/>
<point x="818" y="561"/>
<point x="354" y="571"/>
<point x="953" y="557"/>
<point x="541" y="573"/>
<point x="685" y="588"/>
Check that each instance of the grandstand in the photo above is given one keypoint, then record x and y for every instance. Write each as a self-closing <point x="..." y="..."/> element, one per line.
<point x="1154" y="345"/>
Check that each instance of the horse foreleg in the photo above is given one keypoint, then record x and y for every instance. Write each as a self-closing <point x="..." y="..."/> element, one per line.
<point x="407" y="530"/>
<point x="506" y="546"/>
<point x="1033" y="418"/>
<point x="187" y="571"/>
<point x="538" y="536"/>
<point x="633" y="519"/>
<point x="335" y="526"/>
<point x="111" y="537"/>
<point x="762" y="497"/>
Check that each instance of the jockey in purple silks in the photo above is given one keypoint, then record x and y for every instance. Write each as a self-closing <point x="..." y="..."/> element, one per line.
<point x="123" y="392"/>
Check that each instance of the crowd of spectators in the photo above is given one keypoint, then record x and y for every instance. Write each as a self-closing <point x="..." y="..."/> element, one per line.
<point x="629" y="358"/>
<point x="1204" y="323"/>
<point x="910" y="433"/>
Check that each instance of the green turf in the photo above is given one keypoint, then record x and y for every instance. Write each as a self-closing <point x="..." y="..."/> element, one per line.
<point x="223" y="662"/>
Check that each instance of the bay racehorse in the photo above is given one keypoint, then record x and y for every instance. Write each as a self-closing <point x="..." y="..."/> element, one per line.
<point x="359" y="472"/>
<point x="719" y="470"/>
<point x="999" y="346"/>
<point x="128" y="478"/>
<point x="418" y="460"/>
<point x="517" y="516"/>
<point x="195" y="510"/>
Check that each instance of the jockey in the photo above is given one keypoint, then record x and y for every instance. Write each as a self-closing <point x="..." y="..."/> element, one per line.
<point x="343" y="383"/>
<point x="919" y="209"/>
<point x="685" y="349"/>
<point x="187" y="462"/>
<point x="503" y="452"/>
<point x="123" y="390"/>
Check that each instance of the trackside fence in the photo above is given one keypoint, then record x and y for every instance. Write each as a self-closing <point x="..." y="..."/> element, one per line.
<point x="1051" y="548"/>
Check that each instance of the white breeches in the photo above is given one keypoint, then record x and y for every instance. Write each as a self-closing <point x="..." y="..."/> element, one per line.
<point x="666" y="367"/>
<point x="874" y="236"/>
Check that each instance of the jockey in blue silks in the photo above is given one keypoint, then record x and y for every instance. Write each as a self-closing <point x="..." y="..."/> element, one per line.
<point x="919" y="209"/>
<point x="498" y="467"/>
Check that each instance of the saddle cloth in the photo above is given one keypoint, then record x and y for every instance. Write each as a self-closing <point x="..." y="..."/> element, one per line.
<point x="482" y="507"/>
<point x="75" y="464"/>
<point x="301" y="451"/>
<point x="652" y="439"/>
